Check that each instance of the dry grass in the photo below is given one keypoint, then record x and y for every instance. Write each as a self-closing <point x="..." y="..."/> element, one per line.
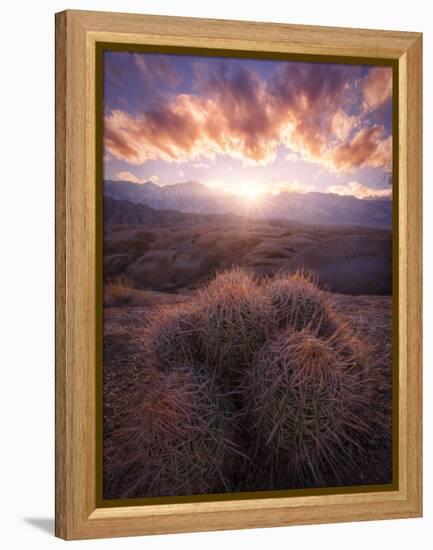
<point x="120" y="291"/>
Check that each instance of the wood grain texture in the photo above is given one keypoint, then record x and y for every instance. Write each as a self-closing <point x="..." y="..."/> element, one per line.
<point x="76" y="35"/>
<point x="60" y="216"/>
<point x="75" y="346"/>
<point x="414" y="272"/>
<point x="212" y="33"/>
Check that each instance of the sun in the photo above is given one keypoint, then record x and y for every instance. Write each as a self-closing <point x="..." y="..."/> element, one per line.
<point x="250" y="191"/>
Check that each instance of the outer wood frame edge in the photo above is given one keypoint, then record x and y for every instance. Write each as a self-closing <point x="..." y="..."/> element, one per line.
<point x="75" y="286"/>
<point x="60" y="220"/>
<point x="413" y="108"/>
<point x="76" y="514"/>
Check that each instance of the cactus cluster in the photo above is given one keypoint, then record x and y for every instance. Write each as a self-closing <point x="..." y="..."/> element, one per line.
<point x="260" y="386"/>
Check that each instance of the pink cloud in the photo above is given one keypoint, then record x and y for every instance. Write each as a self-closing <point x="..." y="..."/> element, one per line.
<point x="310" y="94"/>
<point x="369" y="148"/>
<point x="236" y="119"/>
<point x="377" y="87"/>
<point x="343" y="124"/>
<point x="247" y="118"/>
<point x="359" y="191"/>
<point x="127" y="176"/>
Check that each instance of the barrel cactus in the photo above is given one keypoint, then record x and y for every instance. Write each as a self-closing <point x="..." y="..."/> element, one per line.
<point x="304" y="401"/>
<point x="172" y="337"/>
<point x="237" y="318"/>
<point x="299" y="303"/>
<point x="180" y="441"/>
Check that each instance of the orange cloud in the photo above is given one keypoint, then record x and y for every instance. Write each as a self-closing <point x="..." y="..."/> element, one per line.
<point x="377" y="87"/>
<point x="359" y="191"/>
<point x="310" y="95"/>
<point x="238" y="120"/>
<point x="247" y="118"/>
<point x="342" y="124"/>
<point x="127" y="176"/>
<point x="368" y="148"/>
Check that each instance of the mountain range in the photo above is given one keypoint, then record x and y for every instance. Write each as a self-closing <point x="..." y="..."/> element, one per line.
<point x="126" y="212"/>
<point x="311" y="207"/>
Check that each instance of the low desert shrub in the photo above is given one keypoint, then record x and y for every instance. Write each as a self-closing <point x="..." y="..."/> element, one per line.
<point x="304" y="398"/>
<point x="118" y="291"/>
<point x="180" y="441"/>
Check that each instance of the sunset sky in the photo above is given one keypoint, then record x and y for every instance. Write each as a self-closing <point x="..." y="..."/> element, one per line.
<point x="248" y="126"/>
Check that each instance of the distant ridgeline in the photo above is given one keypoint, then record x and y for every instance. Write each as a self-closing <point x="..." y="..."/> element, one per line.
<point x="194" y="197"/>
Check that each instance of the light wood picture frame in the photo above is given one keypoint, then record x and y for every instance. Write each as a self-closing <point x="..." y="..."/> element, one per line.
<point x="79" y="513"/>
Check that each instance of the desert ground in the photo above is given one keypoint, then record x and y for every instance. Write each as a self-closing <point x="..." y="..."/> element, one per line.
<point x="174" y="255"/>
<point x="163" y="264"/>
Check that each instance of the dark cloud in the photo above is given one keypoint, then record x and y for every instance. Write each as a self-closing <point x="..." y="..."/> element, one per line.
<point x="156" y="68"/>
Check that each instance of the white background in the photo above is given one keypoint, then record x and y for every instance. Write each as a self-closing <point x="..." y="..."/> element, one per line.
<point x="27" y="270"/>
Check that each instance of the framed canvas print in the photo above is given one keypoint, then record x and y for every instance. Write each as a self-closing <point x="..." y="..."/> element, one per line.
<point x="238" y="274"/>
